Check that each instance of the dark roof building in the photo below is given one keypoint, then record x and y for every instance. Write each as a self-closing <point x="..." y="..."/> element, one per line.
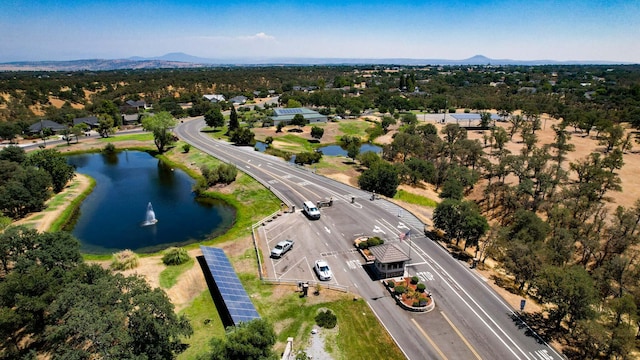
<point x="128" y="119"/>
<point x="92" y="121"/>
<point x="46" y="124"/>
<point x="389" y="260"/>
<point x="286" y="115"/>
<point x="238" y="100"/>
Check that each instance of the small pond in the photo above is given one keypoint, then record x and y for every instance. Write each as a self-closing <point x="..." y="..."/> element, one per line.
<point x="111" y="218"/>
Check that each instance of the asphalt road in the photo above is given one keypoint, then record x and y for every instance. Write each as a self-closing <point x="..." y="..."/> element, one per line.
<point x="470" y="320"/>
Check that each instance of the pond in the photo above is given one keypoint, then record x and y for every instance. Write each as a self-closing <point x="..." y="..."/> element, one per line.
<point x="330" y="150"/>
<point x="113" y="216"/>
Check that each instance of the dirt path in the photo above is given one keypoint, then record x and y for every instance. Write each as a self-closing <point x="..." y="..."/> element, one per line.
<point x="55" y="206"/>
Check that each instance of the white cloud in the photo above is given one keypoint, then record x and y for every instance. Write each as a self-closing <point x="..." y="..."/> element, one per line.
<point x="259" y="36"/>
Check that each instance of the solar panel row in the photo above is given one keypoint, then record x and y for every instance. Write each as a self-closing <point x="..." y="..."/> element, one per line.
<point x="235" y="297"/>
<point x="288" y="111"/>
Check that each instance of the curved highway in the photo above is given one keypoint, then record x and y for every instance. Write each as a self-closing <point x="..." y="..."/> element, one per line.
<point x="470" y="320"/>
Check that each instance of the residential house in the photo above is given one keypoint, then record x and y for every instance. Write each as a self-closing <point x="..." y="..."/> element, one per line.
<point x="214" y="98"/>
<point x="90" y="121"/>
<point x="238" y="100"/>
<point x="130" y="119"/>
<point x="46" y="124"/>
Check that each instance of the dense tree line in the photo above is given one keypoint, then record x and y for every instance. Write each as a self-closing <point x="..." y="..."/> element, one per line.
<point x="28" y="180"/>
<point x="53" y="304"/>
<point x="590" y="95"/>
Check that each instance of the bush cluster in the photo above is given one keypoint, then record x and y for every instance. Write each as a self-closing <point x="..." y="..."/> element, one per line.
<point x="175" y="256"/>
<point x="399" y="289"/>
<point x="372" y="241"/>
<point x="223" y="174"/>
<point x="308" y="157"/>
<point x="124" y="260"/>
<point x="326" y="319"/>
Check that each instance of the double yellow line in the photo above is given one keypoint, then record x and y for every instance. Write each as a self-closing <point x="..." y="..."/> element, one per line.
<point x="466" y="342"/>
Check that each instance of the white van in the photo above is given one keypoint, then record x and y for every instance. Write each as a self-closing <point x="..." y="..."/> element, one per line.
<point x="311" y="210"/>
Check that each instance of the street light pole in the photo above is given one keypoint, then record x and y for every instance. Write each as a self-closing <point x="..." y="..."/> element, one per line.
<point x="444" y="113"/>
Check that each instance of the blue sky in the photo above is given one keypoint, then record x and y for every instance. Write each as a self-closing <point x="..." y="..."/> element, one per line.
<point x="521" y="30"/>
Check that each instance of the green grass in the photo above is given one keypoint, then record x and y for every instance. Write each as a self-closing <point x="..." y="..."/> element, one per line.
<point x="170" y="275"/>
<point x="360" y="335"/>
<point x="415" y="199"/>
<point x="129" y="137"/>
<point x="354" y="128"/>
<point x="294" y="144"/>
<point x="69" y="211"/>
<point x="198" y="312"/>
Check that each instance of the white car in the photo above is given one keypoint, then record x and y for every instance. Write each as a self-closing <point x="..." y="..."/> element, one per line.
<point x="322" y="269"/>
<point x="281" y="248"/>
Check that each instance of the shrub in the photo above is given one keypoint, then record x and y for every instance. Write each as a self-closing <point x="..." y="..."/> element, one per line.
<point x="423" y="301"/>
<point x="186" y="148"/>
<point x="124" y="260"/>
<point x="466" y="111"/>
<point x="373" y="241"/>
<point x="416" y="303"/>
<point x="308" y="157"/>
<point x="421" y="287"/>
<point x="399" y="289"/>
<point x="175" y="256"/>
<point x="414" y="280"/>
<point x="363" y="245"/>
<point x="391" y="283"/>
<point x="109" y="148"/>
<point x="326" y="319"/>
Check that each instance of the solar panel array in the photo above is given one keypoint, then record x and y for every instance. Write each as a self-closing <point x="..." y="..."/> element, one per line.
<point x="235" y="297"/>
<point x="289" y="111"/>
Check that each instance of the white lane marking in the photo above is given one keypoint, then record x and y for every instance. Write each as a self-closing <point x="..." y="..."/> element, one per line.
<point x="353" y="264"/>
<point x="376" y="229"/>
<point x="425" y="276"/>
<point x="402" y="226"/>
<point x="327" y="230"/>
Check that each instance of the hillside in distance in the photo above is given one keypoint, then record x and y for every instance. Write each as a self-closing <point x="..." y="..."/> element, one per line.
<point x="182" y="60"/>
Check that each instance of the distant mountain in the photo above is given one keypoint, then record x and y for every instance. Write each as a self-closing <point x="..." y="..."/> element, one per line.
<point x="93" y="65"/>
<point x="182" y="60"/>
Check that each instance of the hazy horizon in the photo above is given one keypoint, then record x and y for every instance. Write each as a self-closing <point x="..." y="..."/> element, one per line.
<point x="588" y="30"/>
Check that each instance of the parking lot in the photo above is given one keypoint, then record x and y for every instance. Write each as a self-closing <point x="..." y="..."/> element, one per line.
<point x="313" y="240"/>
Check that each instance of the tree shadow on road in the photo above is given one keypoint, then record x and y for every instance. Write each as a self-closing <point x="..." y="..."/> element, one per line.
<point x="538" y="326"/>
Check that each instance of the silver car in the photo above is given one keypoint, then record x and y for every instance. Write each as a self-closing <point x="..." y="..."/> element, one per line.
<point x="281" y="248"/>
<point x="322" y="269"/>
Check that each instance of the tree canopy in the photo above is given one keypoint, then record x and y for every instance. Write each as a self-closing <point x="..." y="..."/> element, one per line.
<point x="52" y="303"/>
<point x="160" y="125"/>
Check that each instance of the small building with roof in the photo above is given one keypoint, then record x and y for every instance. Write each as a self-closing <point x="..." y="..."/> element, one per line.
<point x="214" y="98"/>
<point x="46" y="124"/>
<point x="286" y="115"/>
<point x="90" y="121"/>
<point x="389" y="261"/>
<point x="130" y="119"/>
<point x="239" y="100"/>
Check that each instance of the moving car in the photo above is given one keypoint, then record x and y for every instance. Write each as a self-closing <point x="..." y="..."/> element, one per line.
<point x="311" y="210"/>
<point x="322" y="269"/>
<point x="281" y="248"/>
